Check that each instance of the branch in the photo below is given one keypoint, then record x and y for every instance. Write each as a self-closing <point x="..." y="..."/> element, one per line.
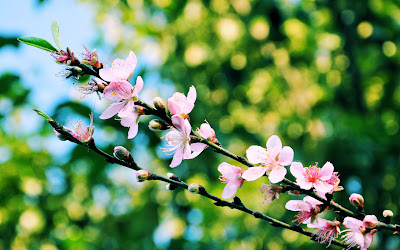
<point x="236" y="204"/>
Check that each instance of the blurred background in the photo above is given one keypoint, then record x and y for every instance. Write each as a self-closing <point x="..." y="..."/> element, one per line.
<point x="323" y="75"/>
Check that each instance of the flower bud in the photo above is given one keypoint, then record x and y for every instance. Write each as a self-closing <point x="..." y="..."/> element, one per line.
<point x="194" y="188"/>
<point x="157" y="125"/>
<point x="370" y="221"/>
<point x="142" y="175"/>
<point x="122" y="153"/>
<point x="171" y="175"/>
<point x="357" y="200"/>
<point x="158" y="103"/>
<point x="388" y="214"/>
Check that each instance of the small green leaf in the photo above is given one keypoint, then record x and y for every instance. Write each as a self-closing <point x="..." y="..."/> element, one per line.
<point x="46" y="117"/>
<point x="56" y="33"/>
<point x="84" y="78"/>
<point x="38" y="43"/>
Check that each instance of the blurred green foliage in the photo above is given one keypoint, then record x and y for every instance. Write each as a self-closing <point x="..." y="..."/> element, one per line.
<point x="321" y="74"/>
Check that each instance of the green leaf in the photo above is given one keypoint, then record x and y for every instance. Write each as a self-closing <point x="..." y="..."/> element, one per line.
<point x="84" y="78"/>
<point x="46" y="117"/>
<point x="38" y="43"/>
<point x="56" y="33"/>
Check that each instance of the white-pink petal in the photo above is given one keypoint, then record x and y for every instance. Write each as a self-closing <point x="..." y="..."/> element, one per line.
<point x="285" y="156"/>
<point x="274" y="145"/>
<point x="192" y="95"/>
<point x="133" y="130"/>
<point x="231" y="189"/>
<point x="253" y="173"/>
<point x="256" y="154"/>
<point x="312" y="201"/>
<point x="326" y="171"/>
<point x="178" y="122"/>
<point x="297" y="170"/>
<point x="127" y="110"/>
<point x="196" y="148"/>
<point x="323" y="187"/>
<point x="227" y="170"/>
<point x="138" y="87"/>
<point x="186" y="151"/>
<point x="277" y="174"/>
<point x="112" y="110"/>
<point x="177" y="159"/>
<point x="132" y="60"/>
<point x="304" y="183"/>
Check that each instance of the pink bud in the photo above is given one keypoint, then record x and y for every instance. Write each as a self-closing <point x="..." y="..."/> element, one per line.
<point x="122" y="153"/>
<point x="142" y="175"/>
<point x="357" y="200"/>
<point x="370" y="221"/>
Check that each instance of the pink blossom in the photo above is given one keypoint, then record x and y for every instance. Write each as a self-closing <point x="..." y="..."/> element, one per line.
<point x="232" y="176"/>
<point x="308" y="209"/>
<point x="82" y="132"/>
<point x="206" y="132"/>
<point x="273" y="159"/>
<point x="271" y="192"/>
<point x="357" y="200"/>
<point x="370" y="221"/>
<point x="179" y="104"/>
<point x="334" y="181"/>
<point x="357" y="234"/>
<point x="125" y="96"/>
<point x="326" y="230"/>
<point x="178" y="140"/>
<point x="313" y="176"/>
<point x="120" y="70"/>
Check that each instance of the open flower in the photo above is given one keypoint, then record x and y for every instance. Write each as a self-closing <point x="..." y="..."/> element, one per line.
<point x="125" y="96"/>
<point x="326" y="230"/>
<point x="206" y="132"/>
<point x="357" y="234"/>
<point x="178" y="140"/>
<point x="119" y="70"/>
<point x="232" y="176"/>
<point x="179" y="104"/>
<point x="308" y="209"/>
<point x="313" y="176"/>
<point x="273" y="159"/>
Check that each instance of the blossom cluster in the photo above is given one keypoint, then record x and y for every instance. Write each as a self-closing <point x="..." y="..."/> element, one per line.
<point x="184" y="143"/>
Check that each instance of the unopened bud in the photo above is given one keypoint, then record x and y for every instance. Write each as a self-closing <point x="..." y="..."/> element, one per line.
<point x="78" y="70"/>
<point x="158" y="103"/>
<point x="157" y="125"/>
<point x="171" y="175"/>
<point x="388" y="214"/>
<point x="370" y="221"/>
<point x="194" y="188"/>
<point x="122" y="153"/>
<point x="357" y="200"/>
<point x="142" y="175"/>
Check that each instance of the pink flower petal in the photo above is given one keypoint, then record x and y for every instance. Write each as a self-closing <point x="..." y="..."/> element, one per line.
<point x="298" y="205"/>
<point x="172" y="106"/>
<point x="178" y="157"/>
<point x="178" y="122"/>
<point x="188" y="107"/>
<point x="207" y="131"/>
<point x="277" y="174"/>
<point x="229" y="171"/>
<point x="192" y="95"/>
<point x="326" y="171"/>
<point x="132" y="60"/>
<point x="187" y="128"/>
<point x="127" y="109"/>
<point x="231" y="188"/>
<point x="352" y="223"/>
<point x="285" y="156"/>
<point x="112" y="110"/>
<point x="107" y="74"/>
<point x="256" y="154"/>
<point x="127" y="121"/>
<point x="118" y="90"/>
<point x="312" y="201"/>
<point x="368" y="240"/>
<point x="133" y="130"/>
<point x="253" y="173"/>
<point x="297" y="170"/>
<point x="304" y="183"/>
<point x="186" y="151"/>
<point x="274" y="145"/>
<point x="138" y="87"/>
<point x="323" y="187"/>
<point x="197" y="148"/>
